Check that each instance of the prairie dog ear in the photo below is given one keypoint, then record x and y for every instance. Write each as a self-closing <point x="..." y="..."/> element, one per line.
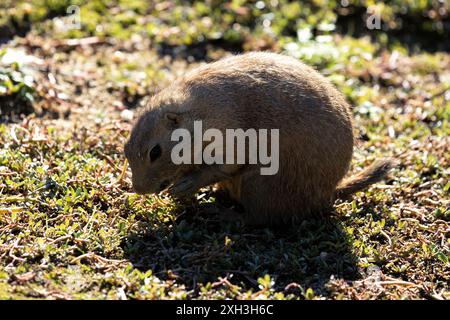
<point x="173" y="118"/>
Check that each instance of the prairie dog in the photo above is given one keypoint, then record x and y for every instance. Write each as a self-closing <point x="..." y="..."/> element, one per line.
<point x="257" y="90"/>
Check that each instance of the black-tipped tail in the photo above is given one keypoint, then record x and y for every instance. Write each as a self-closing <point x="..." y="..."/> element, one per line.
<point x="372" y="174"/>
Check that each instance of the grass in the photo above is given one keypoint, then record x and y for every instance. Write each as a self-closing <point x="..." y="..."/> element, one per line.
<point x="71" y="227"/>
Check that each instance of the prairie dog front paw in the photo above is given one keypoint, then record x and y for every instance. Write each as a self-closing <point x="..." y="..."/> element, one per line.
<point x="183" y="188"/>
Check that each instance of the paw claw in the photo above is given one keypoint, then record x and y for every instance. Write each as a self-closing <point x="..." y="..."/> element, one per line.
<point x="182" y="188"/>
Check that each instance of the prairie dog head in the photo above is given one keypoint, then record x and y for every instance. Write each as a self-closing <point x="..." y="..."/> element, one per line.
<point x="148" y="149"/>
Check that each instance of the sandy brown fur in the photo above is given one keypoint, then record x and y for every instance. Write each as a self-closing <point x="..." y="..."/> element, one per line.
<point x="256" y="90"/>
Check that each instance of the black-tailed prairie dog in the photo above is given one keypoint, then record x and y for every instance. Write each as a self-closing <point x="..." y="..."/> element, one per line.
<point x="256" y="90"/>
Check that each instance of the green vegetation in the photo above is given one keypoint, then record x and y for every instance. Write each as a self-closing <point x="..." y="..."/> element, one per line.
<point x="16" y="89"/>
<point x="70" y="225"/>
<point x="188" y="22"/>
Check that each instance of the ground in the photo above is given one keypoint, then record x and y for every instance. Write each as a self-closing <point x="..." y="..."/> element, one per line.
<point x="71" y="227"/>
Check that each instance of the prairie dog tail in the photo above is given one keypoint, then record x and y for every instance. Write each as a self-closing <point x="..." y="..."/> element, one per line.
<point x="372" y="174"/>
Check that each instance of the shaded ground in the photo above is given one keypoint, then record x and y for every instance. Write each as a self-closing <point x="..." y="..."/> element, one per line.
<point x="70" y="227"/>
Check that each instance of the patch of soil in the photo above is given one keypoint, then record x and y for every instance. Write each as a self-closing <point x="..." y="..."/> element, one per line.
<point x="13" y="109"/>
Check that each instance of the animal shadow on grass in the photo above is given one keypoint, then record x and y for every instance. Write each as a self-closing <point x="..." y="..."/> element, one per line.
<point x="200" y="246"/>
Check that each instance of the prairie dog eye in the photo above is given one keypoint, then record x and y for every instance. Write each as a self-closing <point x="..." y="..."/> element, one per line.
<point x="155" y="152"/>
